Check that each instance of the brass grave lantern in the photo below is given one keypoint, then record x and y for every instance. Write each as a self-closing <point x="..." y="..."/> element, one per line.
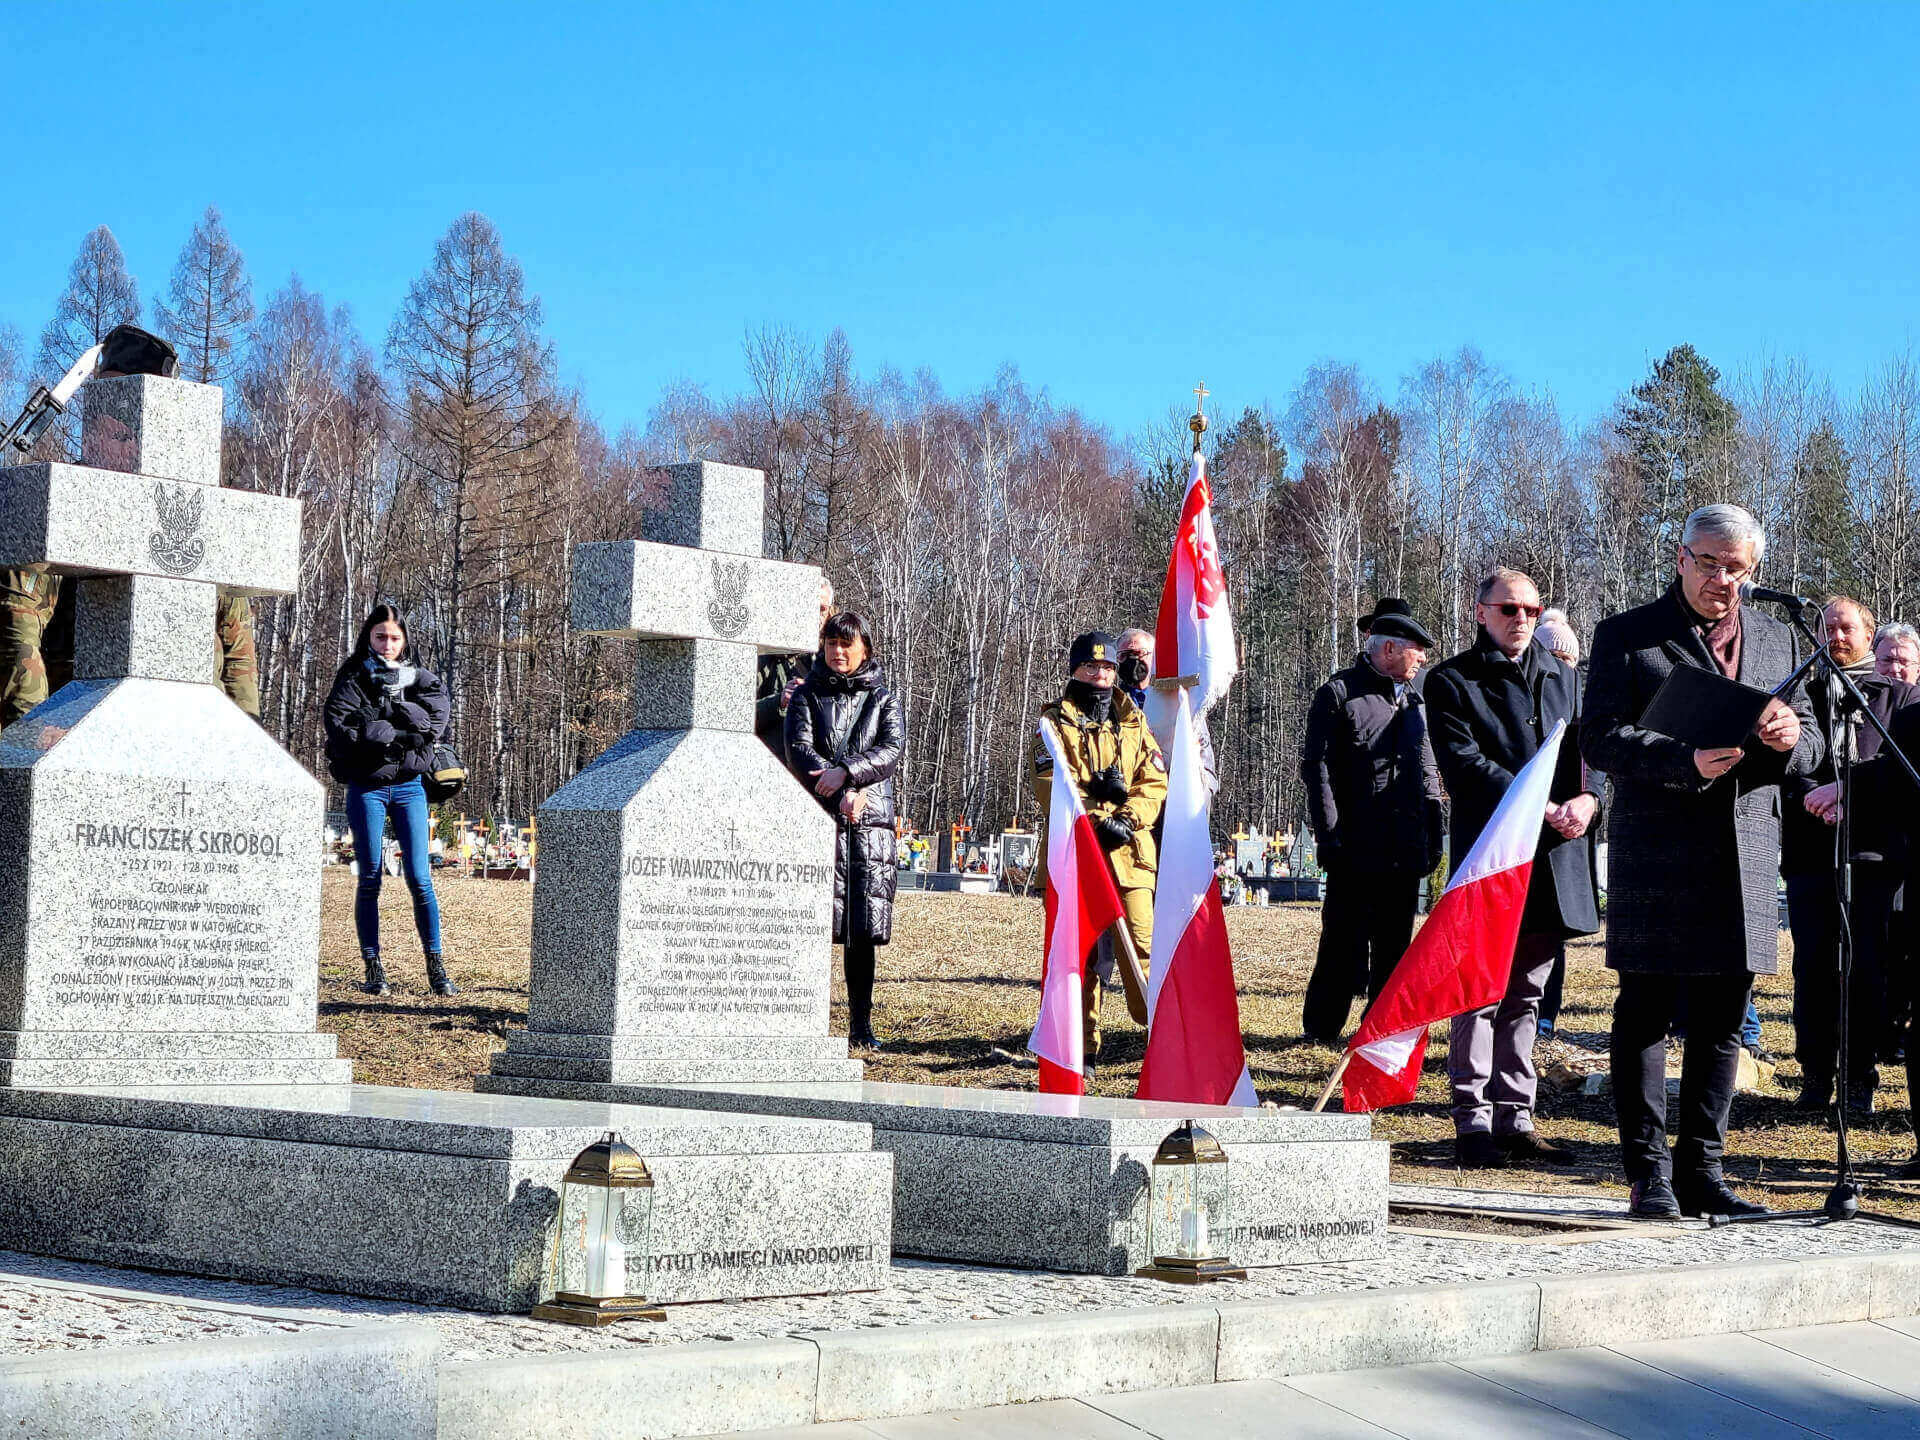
<point x="606" y="1210"/>
<point x="1187" y="1210"/>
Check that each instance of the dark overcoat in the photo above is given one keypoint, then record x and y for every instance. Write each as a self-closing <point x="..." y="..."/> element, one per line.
<point x="853" y="721"/>
<point x="1692" y="865"/>
<point x="1488" y="716"/>
<point x="1373" y="790"/>
<point x="1883" y="796"/>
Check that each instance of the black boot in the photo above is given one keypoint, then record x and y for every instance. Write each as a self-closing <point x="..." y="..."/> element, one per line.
<point x="437" y="975"/>
<point x="376" y="981"/>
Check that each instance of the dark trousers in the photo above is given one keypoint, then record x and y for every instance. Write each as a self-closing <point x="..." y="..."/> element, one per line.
<point x="1643" y="1012"/>
<point x="857" y="959"/>
<point x="1813" y="915"/>
<point x="1556" y="982"/>
<point x="1366" y="923"/>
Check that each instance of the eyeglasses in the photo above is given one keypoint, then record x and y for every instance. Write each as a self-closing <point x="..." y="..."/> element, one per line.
<point x="1712" y="569"/>
<point x="1511" y="608"/>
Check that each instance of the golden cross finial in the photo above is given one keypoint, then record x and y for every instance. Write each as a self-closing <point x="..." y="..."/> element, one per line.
<point x="1200" y="393"/>
<point x="1199" y="421"/>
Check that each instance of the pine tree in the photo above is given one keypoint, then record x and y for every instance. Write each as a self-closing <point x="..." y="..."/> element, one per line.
<point x="1822" y="472"/>
<point x="209" y="303"/>
<point x="1680" y="435"/>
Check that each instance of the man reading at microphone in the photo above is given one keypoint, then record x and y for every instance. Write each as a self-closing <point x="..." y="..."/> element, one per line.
<point x="1693" y="855"/>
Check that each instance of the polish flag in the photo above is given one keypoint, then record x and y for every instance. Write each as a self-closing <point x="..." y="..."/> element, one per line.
<point x="1194" y="634"/>
<point x="1460" y="959"/>
<point x="1194" y="1052"/>
<point x="1081" y="904"/>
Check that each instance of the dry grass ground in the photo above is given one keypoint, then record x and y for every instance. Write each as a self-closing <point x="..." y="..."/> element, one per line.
<point x="957" y="994"/>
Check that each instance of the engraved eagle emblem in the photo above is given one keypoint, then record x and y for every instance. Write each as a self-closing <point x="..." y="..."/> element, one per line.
<point x="177" y="545"/>
<point x="728" y="608"/>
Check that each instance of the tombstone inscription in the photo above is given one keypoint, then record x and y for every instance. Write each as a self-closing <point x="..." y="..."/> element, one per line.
<point x="685" y="890"/>
<point x="162" y="925"/>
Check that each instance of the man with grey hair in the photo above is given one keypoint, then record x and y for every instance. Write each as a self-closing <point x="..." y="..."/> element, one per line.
<point x="1694" y="855"/>
<point x="1373" y="796"/>
<point x="1896" y="652"/>
<point x="1136" y="664"/>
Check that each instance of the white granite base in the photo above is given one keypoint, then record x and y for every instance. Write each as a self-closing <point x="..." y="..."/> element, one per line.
<point x="1059" y="1182"/>
<point x="430" y="1196"/>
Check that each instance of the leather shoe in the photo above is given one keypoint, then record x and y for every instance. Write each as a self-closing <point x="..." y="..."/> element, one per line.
<point x="1709" y="1195"/>
<point x="1525" y="1147"/>
<point x="1812" y="1097"/>
<point x="1653" y="1200"/>
<point x="1478" y="1150"/>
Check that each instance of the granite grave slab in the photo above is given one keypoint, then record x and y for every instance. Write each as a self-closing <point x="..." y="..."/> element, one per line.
<point x="1058" y="1182"/>
<point x="429" y="1196"/>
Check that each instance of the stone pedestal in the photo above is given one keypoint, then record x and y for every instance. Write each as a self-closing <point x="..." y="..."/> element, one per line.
<point x="1059" y="1182"/>
<point x="443" y="1199"/>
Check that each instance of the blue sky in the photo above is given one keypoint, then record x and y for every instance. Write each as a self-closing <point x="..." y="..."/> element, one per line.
<point x="1120" y="199"/>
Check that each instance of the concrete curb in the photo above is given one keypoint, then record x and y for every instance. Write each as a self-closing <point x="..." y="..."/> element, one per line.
<point x="922" y="1369"/>
<point x="372" y="1381"/>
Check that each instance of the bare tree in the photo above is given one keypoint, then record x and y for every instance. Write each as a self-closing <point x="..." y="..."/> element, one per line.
<point x="209" y="302"/>
<point x="476" y="379"/>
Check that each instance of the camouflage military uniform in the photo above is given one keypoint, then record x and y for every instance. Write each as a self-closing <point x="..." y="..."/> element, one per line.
<point x="36" y="643"/>
<point x="1088" y="745"/>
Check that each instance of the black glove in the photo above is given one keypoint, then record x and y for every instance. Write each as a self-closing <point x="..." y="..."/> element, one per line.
<point x="1113" y="831"/>
<point x="412" y="717"/>
<point x="379" y="732"/>
<point x="1108" y="784"/>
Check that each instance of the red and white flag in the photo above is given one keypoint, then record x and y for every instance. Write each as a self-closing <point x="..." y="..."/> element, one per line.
<point x="1194" y="1053"/>
<point x="1081" y="904"/>
<point x="1194" y="634"/>
<point x="1460" y="959"/>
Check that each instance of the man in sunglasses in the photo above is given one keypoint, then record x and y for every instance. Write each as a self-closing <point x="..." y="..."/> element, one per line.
<point x="1489" y="708"/>
<point x="1693" y="845"/>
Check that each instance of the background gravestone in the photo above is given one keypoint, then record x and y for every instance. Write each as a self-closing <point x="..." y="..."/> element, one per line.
<point x="160" y="914"/>
<point x="685" y="895"/>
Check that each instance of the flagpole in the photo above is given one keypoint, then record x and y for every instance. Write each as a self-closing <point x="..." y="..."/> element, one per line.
<point x="1333" y="1080"/>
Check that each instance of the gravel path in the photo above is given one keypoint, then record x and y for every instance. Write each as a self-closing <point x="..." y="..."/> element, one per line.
<point x="65" y="1305"/>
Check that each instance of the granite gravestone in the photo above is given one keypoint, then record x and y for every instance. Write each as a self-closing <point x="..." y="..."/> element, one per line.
<point x="161" y="922"/>
<point x="685" y="891"/>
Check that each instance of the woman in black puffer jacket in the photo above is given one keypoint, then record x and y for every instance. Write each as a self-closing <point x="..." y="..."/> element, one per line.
<point x="383" y="716"/>
<point x="844" y="737"/>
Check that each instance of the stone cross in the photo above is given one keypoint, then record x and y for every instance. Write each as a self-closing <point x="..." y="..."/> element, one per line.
<point x="697" y="594"/>
<point x="161" y="921"/>
<point x="685" y="888"/>
<point x="149" y="529"/>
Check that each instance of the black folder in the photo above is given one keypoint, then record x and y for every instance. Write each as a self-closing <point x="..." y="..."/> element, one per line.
<point x="1704" y="709"/>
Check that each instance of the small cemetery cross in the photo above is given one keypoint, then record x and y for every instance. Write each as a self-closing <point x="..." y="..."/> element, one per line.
<point x="163" y="926"/>
<point x="685" y="887"/>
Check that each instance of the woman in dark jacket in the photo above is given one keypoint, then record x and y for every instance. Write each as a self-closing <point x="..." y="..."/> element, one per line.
<point x="844" y="737"/>
<point x="383" y="716"/>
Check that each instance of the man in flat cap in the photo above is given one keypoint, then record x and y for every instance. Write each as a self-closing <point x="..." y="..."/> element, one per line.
<point x="1122" y="780"/>
<point x="1373" y="797"/>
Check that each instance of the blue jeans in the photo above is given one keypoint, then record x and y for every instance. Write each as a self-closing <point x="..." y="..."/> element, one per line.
<point x="368" y="810"/>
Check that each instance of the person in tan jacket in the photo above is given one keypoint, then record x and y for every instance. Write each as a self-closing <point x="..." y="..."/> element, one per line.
<point x="1122" y="779"/>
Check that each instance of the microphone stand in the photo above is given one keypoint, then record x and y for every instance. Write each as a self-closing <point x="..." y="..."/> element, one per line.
<point x="1846" y="706"/>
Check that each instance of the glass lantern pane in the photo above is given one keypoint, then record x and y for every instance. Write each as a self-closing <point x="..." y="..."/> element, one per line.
<point x="572" y="1276"/>
<point x="606" y="1248"/>
<point x="1214" y="1195"/>
<point x="636" y="1222"/>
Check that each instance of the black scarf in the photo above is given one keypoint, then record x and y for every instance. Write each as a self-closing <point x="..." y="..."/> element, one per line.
<point x="1091" y="701"/>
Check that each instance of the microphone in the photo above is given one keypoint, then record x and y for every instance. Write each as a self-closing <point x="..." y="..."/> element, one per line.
<point x="1751" y="591"/>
